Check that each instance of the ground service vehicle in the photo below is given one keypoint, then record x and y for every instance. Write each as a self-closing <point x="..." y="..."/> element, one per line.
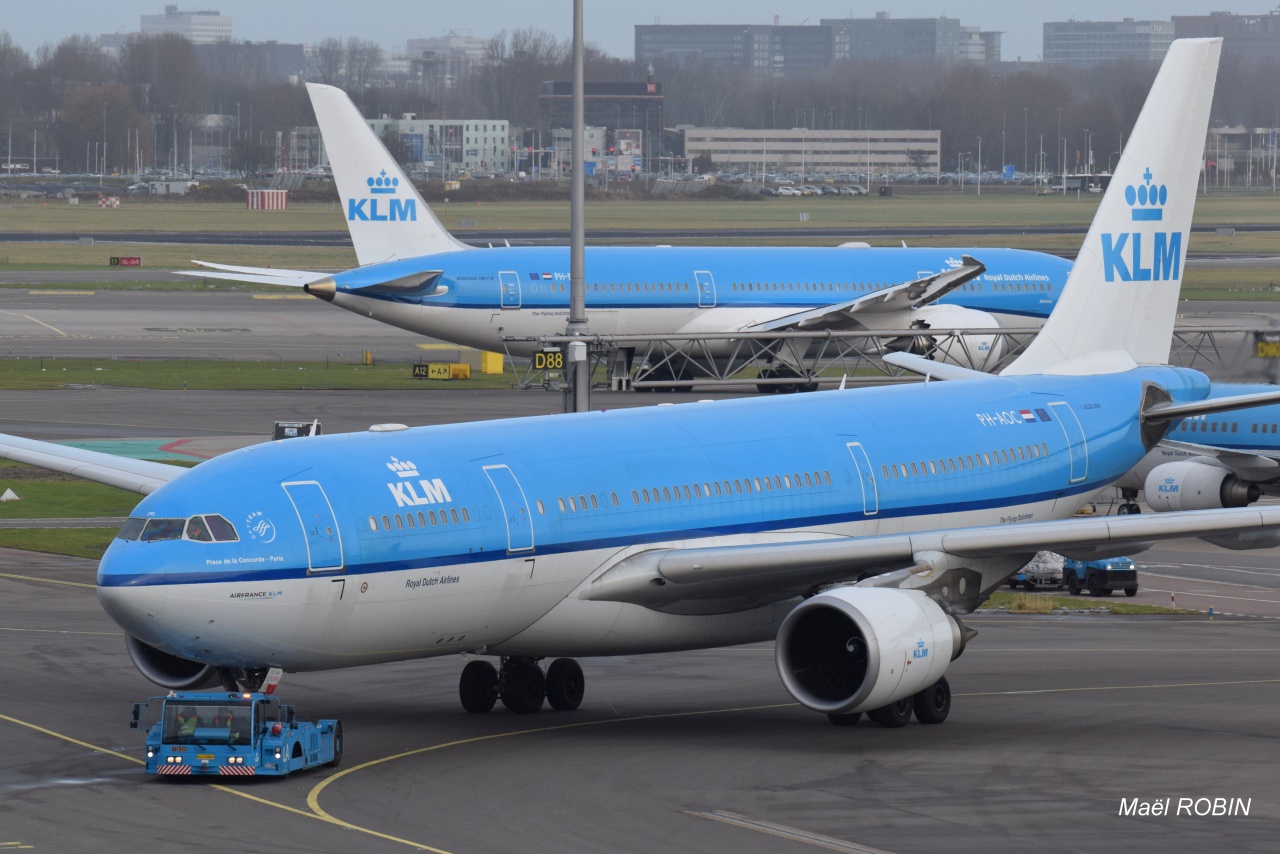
<point x="1044" y="570"/>
<point x="234" y="735"/>
<point x="1100" y="577"/>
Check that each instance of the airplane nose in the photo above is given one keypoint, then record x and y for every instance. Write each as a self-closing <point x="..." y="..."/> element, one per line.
<point x="130" y="591"/>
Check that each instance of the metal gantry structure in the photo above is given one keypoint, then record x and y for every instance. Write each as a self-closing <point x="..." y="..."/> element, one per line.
<point x="805" y="361"/>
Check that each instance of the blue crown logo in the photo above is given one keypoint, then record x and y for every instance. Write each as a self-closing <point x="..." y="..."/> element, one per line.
<point x="382" y="185"/>
<point x="1147" y="200"/>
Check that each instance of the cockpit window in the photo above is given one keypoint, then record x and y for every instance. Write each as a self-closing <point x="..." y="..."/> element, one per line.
<point x="222" y="530"/>
<point x="197" y="530"/>
<point x="163" y="529"/>
<point x="132" y="528"/>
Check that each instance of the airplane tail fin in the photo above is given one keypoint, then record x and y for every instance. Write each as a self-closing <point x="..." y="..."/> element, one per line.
<point x="1119" y="303"/>
<point x="387" y="218"/>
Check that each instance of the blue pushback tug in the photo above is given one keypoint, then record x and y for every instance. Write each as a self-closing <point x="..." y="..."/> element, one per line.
<point x="222" y="734"/>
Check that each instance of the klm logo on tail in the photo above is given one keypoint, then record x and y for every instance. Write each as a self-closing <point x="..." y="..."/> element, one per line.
<point x="396" y="210"/>
<point x="1125" y="258"/>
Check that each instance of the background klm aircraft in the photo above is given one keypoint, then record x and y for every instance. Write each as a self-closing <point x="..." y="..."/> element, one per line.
<point x="854" y="527"/>
<point x="417" y="276"/>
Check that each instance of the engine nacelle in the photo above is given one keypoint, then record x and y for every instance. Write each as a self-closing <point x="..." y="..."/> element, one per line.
<point x="977" y="351"/>
<point x="169" y="671"/>
<point x="858" y="648"/>
<point x="1194" y="485"/>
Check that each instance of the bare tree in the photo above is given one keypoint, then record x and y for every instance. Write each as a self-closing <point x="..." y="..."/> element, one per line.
<point x="327" y="61"/>
<point x="363" y="58"/>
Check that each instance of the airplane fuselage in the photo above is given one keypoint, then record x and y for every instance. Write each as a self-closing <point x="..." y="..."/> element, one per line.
<point x="484" y="296"/>
<point x="379" y="546"/>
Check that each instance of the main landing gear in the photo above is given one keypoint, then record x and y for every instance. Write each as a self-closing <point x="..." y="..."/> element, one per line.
<point x="1129" y="505"/>
<point x="521" y="685"/>
<point x="930" y="706"/>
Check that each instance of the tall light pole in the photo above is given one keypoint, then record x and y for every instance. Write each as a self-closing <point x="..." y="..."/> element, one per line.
<point x="979" y="166"/>
<point x="578" y="395"/>
<point x="1024" y="140"/>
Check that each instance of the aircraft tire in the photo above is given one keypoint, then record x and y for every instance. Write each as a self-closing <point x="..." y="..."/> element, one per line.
<point x="478" y="686"/>
<point x="893" y="715"/>
<point x="933" y="704"/>
<point x="526" y="688"/>
<point x="565" y="685"/>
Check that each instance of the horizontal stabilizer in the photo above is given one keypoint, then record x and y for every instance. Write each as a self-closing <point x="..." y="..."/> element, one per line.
<point x="255" y="275"/>
<point x="901" y="297"/>
<point x="142" y="476"/>
<point x="929" y="369"/>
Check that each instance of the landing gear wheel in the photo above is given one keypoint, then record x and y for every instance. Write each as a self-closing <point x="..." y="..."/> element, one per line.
<point x="478" y="687"/>
<point x="933" y="704"/>
<point x="337" y="747"/>
<point x="893" y="715"/>
<point x="525" y="687"/>
<point x="565" y="685"/>
<point x="1073" y="584"/>
<point x="844" y="720"/>
<point x="1131" y="591"/>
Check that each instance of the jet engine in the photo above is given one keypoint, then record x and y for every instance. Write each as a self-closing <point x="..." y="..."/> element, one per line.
<point x="169" y="671"/>
<point x="1195" y="485"/>
<point x="971" y="350"/>
<point x="853" y="649"/>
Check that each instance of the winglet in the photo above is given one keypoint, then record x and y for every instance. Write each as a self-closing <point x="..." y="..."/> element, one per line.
<point x="1118" y="306"/>
<point x="387" y="218"/>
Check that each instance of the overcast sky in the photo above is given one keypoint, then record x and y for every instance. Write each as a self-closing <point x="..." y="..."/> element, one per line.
<point x="608" y="24"/>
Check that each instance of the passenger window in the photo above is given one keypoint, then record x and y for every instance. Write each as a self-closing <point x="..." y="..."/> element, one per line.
<point x="573" y="505"/>
<point x="737" y="486"/>
<point x="884" y="469"/>
<point x="706" y="489"/>
<point x="635" y="496"/>
<point x="466" y="517"/>
<point x="386" y="522"/>
<point x="986" y="458"/>
<point x="718" y="493"/>
<point x="666" y="493"/>
<point x="582" y="501"/>
<point x="614" y="497"/>
<point x="454" y="514"/>
<point x="560" y="501"/>
<point x="594" y="504"/>
<point x="408" y="519"/>
<point x="951" y="464"/>
<point x="914" y="471"/>
<point x="373" y="524"/>
<point x="399" y="522"/>
<point x="542" y="509"/>
<point x="697" y="490"/>
<point x="768" y="487"/>
<point x="932" y="468"/>
<point x="786" y="479"/>
<point x="422" y="520"/>
<point x="895" y="471"/>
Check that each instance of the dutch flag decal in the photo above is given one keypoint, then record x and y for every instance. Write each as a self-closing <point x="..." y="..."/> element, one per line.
<point x="1027" y="416"/>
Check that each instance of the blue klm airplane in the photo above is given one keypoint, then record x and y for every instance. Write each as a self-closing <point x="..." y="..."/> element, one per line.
<point x="417" y="276"/>
<point x="855" y="528"/>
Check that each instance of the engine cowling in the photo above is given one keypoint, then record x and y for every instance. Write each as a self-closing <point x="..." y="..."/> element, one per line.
<point x="169" y="671"/>
<point x="853" y="649"/>
<point x="977" y="351"/>
<point x="1194" y="485"/>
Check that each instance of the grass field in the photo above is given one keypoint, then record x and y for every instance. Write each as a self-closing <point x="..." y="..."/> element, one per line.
<point x="934" y="209"/>
<point x="177" y="374"/>
<point x="1015" y="602"/>
<point x="47" y="495"/>
<point x="73" y="542"/>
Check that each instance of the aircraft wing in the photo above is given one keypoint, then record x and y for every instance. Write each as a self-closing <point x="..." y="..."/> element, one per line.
<point x="1253" y="465"/>
<point x="142" y="476"/>
<point x="255" y="275"/>
<point x="897" y="298"/>
<point x="691" y="578"/>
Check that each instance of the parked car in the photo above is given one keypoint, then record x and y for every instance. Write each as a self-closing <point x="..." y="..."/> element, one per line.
<point x="789" y="191"/>
<point x="853" y="190"/>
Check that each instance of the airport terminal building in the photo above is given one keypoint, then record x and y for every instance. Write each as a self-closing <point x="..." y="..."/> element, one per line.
<point x="830" y="151"/>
